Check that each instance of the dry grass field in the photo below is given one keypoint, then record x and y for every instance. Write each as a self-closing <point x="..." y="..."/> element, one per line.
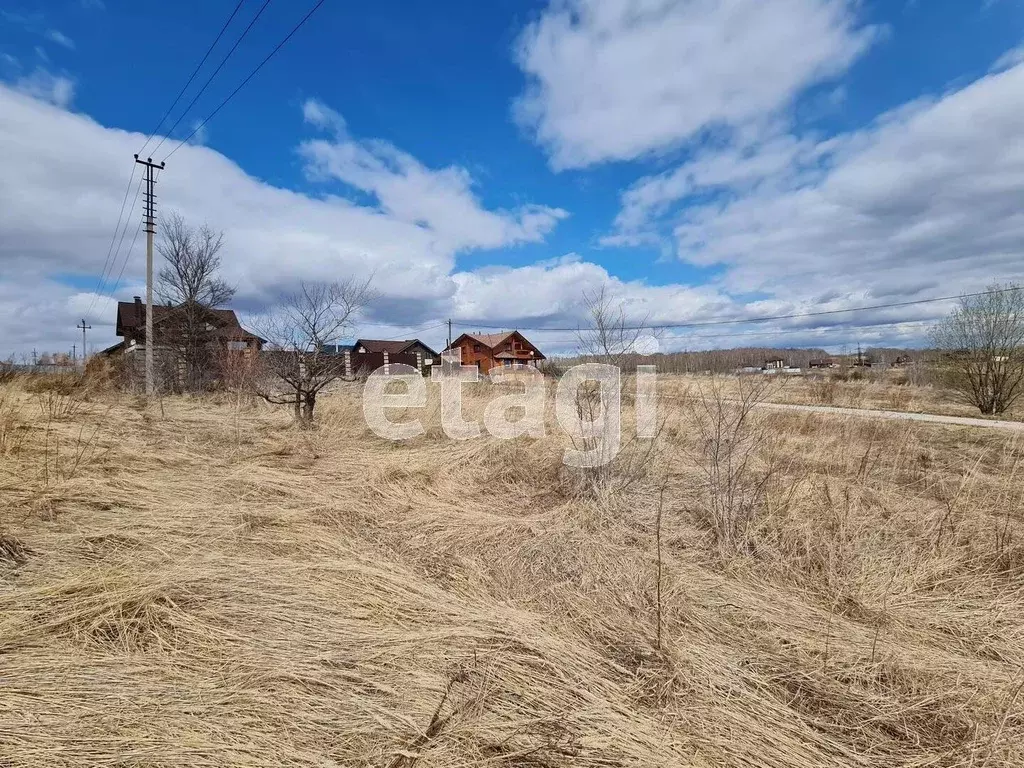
<point x="891" y="390"/>
<point x="197" y="582"/>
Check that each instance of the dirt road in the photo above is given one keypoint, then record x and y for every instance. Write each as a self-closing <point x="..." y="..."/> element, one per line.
<point x="959" y="421"/>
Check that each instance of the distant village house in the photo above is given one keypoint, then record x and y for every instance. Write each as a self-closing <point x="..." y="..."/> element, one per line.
<point x="222" y="327"/>
<point x="407" y="347"/>
<point x="492" y="350"/>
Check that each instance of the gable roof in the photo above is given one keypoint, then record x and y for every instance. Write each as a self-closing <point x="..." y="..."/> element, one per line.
<point x="489" y="339"/>
<point x="132" y="314"/>
<point x="492" y="340"/>
<point x="376" y="346"/>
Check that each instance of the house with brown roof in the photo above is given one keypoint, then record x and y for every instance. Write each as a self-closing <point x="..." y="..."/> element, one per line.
<point x="490" y="350"/>
<point x="405" y="347"/>
<point x="222" y="326"/>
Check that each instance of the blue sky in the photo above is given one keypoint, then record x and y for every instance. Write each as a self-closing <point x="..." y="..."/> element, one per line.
<point x="490" y="161"/>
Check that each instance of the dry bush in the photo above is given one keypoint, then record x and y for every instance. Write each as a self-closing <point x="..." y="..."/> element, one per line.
<point x="57" y="406"/>
<point x="616" y="473"/>
<point x="733" y="455"/>
<point x="824" y="390"/>
<point x="899" y="399"/>
<point x="8" y="373"/>
<point x="11" y="425"/>
<point x="65" y="383"/>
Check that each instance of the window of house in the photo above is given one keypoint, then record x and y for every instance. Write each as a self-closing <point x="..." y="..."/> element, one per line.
<point x="476" y="347"/>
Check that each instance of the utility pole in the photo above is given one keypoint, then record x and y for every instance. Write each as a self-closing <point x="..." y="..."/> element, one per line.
<point x="74" y="357"/>
<point x="84" y="328"/>
<point x="449" y="333"/>
<point x="149" y="203"/>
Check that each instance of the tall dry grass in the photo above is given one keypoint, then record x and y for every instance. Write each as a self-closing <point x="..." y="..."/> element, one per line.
<point x="212" y="586"/>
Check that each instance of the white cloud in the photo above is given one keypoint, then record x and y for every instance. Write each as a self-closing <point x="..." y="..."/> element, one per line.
<point x="925" y="201"/>
<point x="440" y="200"/>
<point x="1010" y="59"/>
<point x="615" y="79"/>
<point x="42" y="84"/>
<point x="65" y="176"/>
<point x="58" y="37"/>
<point x="200" y="133"/>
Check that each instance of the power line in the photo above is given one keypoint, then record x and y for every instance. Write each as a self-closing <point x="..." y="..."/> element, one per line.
<point x="192" y="76"/>
<point x="124" y="231"/>
<point x="762" y="319"/>
<point x="107" y="263"/>
<point x="131" y="247"/>
<point x="209" y="80"/>
<point x="248" y="78"/>
<point x="415" y="330"/>
<point x="128" y="253"/>
<point x="782" y="332"/>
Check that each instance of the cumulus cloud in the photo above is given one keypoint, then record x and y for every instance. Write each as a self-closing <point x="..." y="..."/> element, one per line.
<point x="57" y="162"/>
<point x="615" y="79"/>
<point x="1010" y="59"/>
<point x="925" y="200"/>
<point x="441" y="200"/>
<point x="43" y="84"/>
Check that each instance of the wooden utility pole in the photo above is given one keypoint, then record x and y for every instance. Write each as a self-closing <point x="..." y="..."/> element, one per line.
<point x="84" y="328"/>
<point x="149" y="208"/>
<point x="449" y="334"/>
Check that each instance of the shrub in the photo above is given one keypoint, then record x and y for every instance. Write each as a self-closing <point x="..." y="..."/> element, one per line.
<point x="64" y="383"/>
<point x="824" y="391"/>
<point x="57" y="406"/>
<point x="731" y="441"/>
<point x="8" y="372"/>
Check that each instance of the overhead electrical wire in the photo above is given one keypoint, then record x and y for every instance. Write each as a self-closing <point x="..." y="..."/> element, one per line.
<point x="131" y="247"/>
<point x="762" y="319"/>
<point x="209" y="80"/>
<point x="810" y="331"/>
<point x="416" y="330"/>
<point x="249" y="77"/>
<point x="192" y="77"/>
<point x="124" y="263"/>
<point x="107" y="262"/>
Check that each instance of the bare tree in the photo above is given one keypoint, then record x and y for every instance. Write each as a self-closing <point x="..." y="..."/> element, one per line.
<point x="610" y="338"/>
<point x="609" y="335"/>
<point x="297" y="366"/>
<point x="189" y="282"/>
<point x="733" y="453"/>
<point x="983" y="344"/>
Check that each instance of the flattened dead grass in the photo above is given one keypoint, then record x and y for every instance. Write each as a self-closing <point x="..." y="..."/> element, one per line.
<point x="214" y="587"/>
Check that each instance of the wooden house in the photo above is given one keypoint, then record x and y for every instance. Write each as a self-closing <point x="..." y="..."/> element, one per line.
<point x="221" y="328"/>
<point x="411" y="347"/>
<point x="491" y="350"/>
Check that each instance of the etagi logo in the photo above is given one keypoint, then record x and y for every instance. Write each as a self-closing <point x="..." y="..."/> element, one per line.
<point x="588" y="405"/>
